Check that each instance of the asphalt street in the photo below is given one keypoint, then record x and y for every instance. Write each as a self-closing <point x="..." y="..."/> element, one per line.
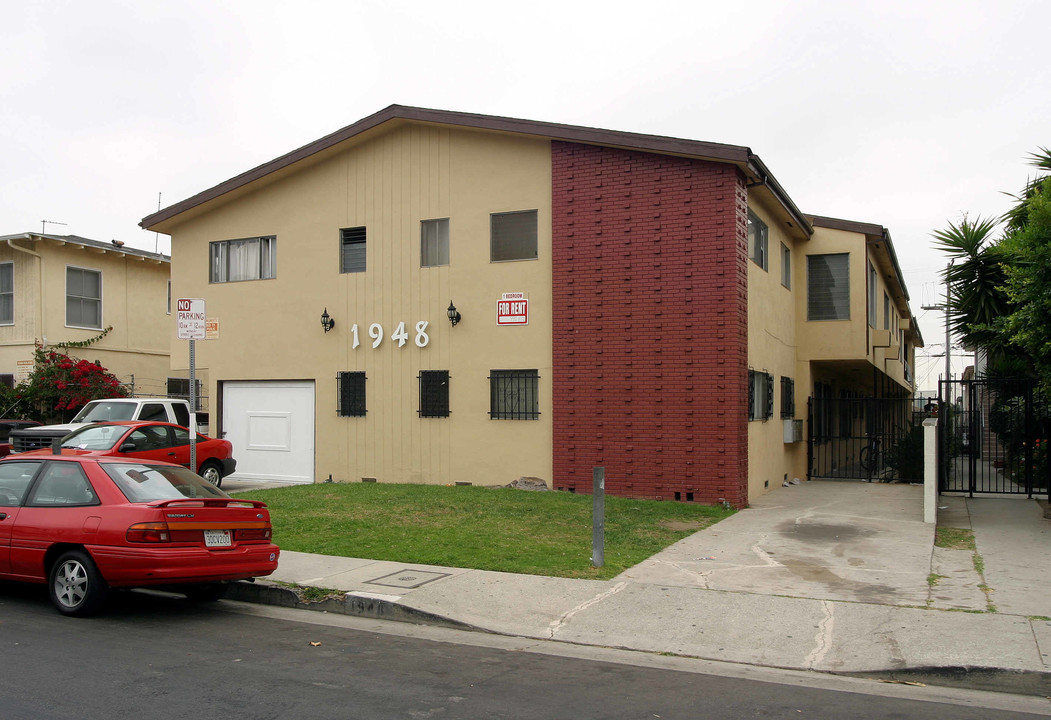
<point x="165" y="657"/>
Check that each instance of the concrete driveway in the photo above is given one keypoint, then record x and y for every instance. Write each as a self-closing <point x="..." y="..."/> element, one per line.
<point x="852" y="541"/>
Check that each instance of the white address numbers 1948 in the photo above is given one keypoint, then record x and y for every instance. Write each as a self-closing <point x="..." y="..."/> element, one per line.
<point x="400" y="335"/>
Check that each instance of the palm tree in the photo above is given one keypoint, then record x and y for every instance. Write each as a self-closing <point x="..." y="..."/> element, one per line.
<point x="976" y="279"/>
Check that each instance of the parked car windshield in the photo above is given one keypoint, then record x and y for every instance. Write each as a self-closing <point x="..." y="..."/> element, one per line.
<point x="142" y="483"/>
<point x="94" y="437"/>
<point x="102" y="411"/>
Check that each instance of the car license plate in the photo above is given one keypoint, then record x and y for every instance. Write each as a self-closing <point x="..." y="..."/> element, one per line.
<point x="217" y="538"/>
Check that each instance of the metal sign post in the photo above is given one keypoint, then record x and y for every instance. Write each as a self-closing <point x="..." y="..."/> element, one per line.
<point x="598" y="516"/>
<point x="190" y="323"/>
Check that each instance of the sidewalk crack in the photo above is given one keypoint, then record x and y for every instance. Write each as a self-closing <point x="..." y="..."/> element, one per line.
<point x="823" y="640"/>
<point x="556" y="625"/>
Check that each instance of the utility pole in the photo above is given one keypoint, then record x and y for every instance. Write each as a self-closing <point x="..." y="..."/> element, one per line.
<point x="945" y="309"/>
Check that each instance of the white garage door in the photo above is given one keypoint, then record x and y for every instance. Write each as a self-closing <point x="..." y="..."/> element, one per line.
<point x="271" y="426"/>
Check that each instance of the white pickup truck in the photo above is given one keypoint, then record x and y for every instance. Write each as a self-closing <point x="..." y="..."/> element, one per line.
<point x="151" y="409"/>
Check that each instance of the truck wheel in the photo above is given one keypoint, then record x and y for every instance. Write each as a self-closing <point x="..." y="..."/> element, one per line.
<point x="213" y="473"/>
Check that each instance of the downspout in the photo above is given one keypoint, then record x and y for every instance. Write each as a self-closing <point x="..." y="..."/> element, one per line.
<point x="40" y="278"/>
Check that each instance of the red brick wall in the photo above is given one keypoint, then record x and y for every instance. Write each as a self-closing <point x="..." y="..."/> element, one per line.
<point x="650" y="324"/>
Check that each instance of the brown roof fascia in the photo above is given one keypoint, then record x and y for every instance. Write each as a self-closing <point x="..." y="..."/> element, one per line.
<point x="716" y="152"/>
<point x="847" y="225"/>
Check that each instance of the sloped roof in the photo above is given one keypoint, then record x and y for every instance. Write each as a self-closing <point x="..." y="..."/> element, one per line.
<point x="749" y="163"/>
<point x="109" y="247"/>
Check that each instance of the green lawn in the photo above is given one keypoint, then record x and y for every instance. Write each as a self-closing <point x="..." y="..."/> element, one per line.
<point x="540" y="533"/>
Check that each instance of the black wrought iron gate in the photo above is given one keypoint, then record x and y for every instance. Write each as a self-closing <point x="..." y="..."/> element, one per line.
<point x="993" y="438"/>
<point x="874" y="439"/>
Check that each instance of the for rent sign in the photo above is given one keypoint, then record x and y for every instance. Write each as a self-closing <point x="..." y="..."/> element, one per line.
<point x="512" y="309"/>
<point x="190" y="318"/>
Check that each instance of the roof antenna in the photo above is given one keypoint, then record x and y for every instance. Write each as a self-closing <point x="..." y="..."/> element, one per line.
<point x="45" y="223"/>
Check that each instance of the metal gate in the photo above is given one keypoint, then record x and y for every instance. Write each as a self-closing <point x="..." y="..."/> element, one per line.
<point x="993" y="438"/>
<point x="873" y="439"/>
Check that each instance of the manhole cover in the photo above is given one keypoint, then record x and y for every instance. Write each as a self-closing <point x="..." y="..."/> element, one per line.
<point x="408" y="578"/>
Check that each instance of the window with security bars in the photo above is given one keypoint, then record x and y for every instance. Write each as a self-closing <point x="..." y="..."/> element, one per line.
<point x="760" y="395"/>
<point x="352" y="250"/>
<point x="788" y="397"/>
<point x="514" y="395"/>
<point x="434" y="393"/>
<point x="180" y="388"/>
<point x="350" y="394"/>
<point x="513" y="236"/>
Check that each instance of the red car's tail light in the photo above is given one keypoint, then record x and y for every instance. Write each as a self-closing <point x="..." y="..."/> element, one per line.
<point x="245" y="534"/>
<point x="149" y="532"/>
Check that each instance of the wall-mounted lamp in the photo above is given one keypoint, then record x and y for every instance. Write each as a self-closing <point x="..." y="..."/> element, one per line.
<point x="327" y="322"/>
<point x="454" y="316"/>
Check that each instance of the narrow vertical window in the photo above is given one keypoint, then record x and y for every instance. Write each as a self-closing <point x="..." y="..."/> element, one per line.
<point x="83" y="298"/>
<point x="886" y="311"/>
<point x="788" y="397"/>
<point x="7" y="293"/>
<point x="872" y="295"/>
<point x="434" y="242"/>
<point x="758" y="239"/>
<point x="352" y="250"/>
<point x="786" y="266"/>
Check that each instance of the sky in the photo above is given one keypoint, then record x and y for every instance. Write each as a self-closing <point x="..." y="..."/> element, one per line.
<point x="903" y="114"/>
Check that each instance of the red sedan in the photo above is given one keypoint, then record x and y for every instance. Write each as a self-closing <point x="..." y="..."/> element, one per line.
<point x="152" y="441"/>
<point x="85" y="524"/>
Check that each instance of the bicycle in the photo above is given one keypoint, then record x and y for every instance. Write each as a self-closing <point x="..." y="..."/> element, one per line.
<point x="870" y="456"/>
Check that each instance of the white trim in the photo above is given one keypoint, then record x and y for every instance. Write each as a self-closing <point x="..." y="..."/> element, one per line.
<point x="65" y="297"/>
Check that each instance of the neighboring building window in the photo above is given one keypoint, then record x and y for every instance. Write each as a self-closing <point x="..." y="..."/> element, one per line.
<point x="434" y="393"/>
<point x="872" y="295"/>
<point x="788" y="397"/>
<point x="83" y="298"/>
<point x="513" y="236"/>
<point x="758" y="239"/>
<point x="434" y="242"/>
<point x="886" y="311"/>
<point x="352" y="250"/>
<point x="350" y="391"/>
<point x="7" y="380"/>
<point x="828" y="287"/>
<point x="513" y="395"/>
<point x="180" y="388"/>
<point x="760" y="395"/>
<point x="7" y="293"/>
<point x="247" y="259"/>
<point x="169" y="311"/>
<point x="786" y="266"/>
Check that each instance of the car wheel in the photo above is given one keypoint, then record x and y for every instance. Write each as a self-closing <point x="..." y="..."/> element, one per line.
<point x="213" y="473"/>
<point x="209" y="592"/>
<point x="76" y="585"/>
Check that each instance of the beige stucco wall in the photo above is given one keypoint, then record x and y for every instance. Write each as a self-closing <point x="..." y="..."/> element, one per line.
<point x="773" y="347"/>
<point x="270" y="329"/>
<point x="134" y="298"/>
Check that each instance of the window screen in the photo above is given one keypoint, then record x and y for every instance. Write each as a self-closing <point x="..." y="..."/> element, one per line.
<point x="513" y="236"/>
<point x="828" y="287"/>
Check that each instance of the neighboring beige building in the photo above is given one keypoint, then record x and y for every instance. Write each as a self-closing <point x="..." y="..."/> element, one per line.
<point x="627" y="301"/>
<point x="64" y="288"/>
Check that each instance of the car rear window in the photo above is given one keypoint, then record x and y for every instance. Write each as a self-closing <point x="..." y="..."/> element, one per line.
<point x="142" y="483"/>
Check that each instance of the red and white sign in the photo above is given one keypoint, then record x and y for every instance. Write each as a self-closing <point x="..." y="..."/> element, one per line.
<point x="190" y="318"/>
<point x="512" y="309"/>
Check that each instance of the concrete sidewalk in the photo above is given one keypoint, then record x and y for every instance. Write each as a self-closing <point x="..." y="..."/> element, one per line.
<point x="825" y="576"/>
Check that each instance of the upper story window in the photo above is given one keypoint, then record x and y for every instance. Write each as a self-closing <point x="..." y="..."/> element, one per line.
<point x="246" y="259"/>
<point x="434" y="242"/>
<point x="828" y="287"/>
<point x="83" y="298"/>
<point x="886" y="311"/>
<point x="786" y="266"/>
<point x="513" y="236"/>
<point x="7" y="293"/>
<point x="872" y="295"/>
<point x="758" y="240"/>
<point x="352" y="250"/>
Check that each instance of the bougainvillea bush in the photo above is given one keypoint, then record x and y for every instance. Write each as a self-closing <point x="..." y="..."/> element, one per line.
<point x="61" y="384"/>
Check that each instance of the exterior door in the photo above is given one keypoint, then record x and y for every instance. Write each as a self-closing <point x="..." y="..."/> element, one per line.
<point x="271" y="426"/>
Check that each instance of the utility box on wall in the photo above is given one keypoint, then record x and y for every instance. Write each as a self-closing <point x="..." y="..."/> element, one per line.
<point x="793" y="430"/>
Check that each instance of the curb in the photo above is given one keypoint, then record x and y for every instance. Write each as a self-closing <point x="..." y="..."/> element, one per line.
<point x="268" y="593"/>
